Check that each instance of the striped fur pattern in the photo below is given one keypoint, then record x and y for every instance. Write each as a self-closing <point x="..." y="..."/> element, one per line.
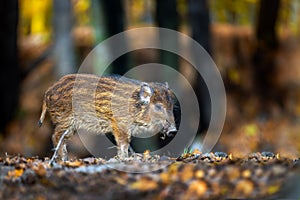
<point x="113" y="104"/>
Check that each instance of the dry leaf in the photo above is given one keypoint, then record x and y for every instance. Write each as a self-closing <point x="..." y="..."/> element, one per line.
<point x="246" y="173"/>
<point x="196" y="151"/>
<point x="272" y="189"/>
<point x="120" y="181"/>
<point x="15" y="173"/>
<point x="165" y="178"/>
<point x="73" y="163"/>
<point x="187" y="173"/>
<point x="197" y="188"/>
<point x="199" y="174"/>
<point x="244" y="187"/>
<point x="144" y="184"/>
<point x="40" y="170"/>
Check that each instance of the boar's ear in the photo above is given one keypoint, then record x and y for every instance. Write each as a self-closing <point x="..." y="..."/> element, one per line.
<point x="145" y="93"/>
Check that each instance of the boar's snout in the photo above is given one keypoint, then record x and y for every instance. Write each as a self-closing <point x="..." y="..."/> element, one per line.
<point x="171" y="130"/>
<point x="168" y="130"/>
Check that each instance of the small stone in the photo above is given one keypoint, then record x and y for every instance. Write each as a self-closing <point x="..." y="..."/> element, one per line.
<point x="267" y="154"/>
<point x="221" y="154"/>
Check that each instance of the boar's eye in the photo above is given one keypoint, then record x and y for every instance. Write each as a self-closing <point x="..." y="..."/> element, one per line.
<point x="158" y="107"/>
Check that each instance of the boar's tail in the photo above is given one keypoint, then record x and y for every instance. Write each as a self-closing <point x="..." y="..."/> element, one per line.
<point x="42" y="117"/>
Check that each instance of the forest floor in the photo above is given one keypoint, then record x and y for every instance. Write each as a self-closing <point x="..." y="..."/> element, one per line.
<point x="191" y="176"/>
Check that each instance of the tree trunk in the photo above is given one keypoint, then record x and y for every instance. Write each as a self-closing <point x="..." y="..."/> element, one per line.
<point x="167" y="17"/>
<point x="10" y="72"/>
<point x="64" y="55"/>
<point x="264" y="56"/>
<point x="199" y="21"/>
<point x="115" y="23"/>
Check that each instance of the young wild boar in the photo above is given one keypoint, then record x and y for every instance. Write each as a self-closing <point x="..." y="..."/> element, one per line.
<point x="114" y="104"/>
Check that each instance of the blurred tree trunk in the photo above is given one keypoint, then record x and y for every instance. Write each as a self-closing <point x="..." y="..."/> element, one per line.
<point x="114" y="16"/>
<point x="10" y="72"/>
<point x="64" y="55"/>
<point x="167" y="17"/>
<point x="199" y="20"/>
<point x="264" y="56"/>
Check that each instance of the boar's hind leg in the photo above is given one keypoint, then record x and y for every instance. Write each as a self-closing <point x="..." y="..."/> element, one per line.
<point x="59" y="142"/>
<point x="123" y="144"/>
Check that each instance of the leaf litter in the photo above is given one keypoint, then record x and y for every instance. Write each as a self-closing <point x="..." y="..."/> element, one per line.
<point x="193" y="175"/>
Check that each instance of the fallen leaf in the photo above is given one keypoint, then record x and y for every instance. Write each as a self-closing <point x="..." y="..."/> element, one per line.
<point x="246" y="173"/>
<point x="15" y="173"/>
<point x="120" y="181"/>
<point x="233" y="173"/>
<point x="244" y="187"/>
<point x="199" y="174"/>
<point x="73" y="163"/>
<point x="272" y="189"/>
<point x="165" y="178"/>
<point x="187" y="173"/>
<point x="40" y="170"/>
<point x="197" y="187"/>
<point x="196" y="151"/>
<point x="144" y="184"/>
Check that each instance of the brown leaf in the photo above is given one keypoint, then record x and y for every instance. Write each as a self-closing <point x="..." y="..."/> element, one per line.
<point x="187" y="173"/>
<point x="73" y="163"/>
<point x="199" y="174"/>
<point x="120" y="181"/>
<point x="144" y="184"/>
<point x="196" y="151"/>
<point x="197" y="187"/>
<point x="40" y="170"/>
<point x="15" y="173"/>
<point x="244" y="188"/>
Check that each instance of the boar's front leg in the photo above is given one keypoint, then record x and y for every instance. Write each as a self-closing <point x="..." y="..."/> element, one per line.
<point x="122" y="140"/>
<point x="123" y="145"/>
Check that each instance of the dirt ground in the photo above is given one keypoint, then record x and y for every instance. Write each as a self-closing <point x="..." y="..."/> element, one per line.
<point x="191" y="176"/>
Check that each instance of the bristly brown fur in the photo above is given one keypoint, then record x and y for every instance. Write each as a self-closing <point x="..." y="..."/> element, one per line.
<point x="106" y="104"/>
